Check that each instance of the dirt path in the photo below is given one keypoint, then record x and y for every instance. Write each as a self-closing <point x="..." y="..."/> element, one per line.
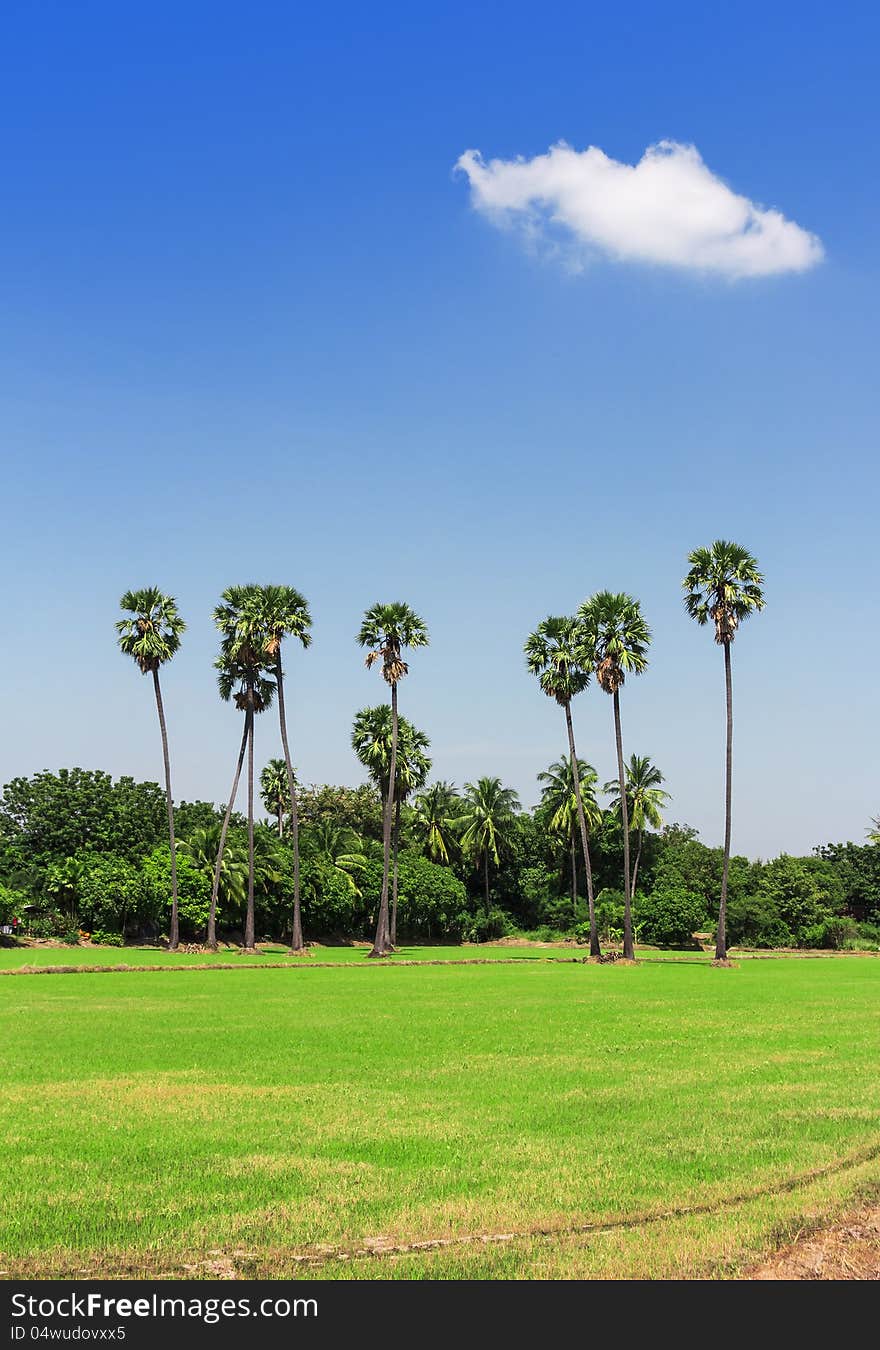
<point x="849" y="1250"/>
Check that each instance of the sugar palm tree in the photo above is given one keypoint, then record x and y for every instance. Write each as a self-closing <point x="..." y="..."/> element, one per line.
<point x="386" y="630"/>
<point x="556" y="654"/>
<point x="435" y="821"/>
<point x="282" y="613"/>
<point x="559" y="800"/>
<point x="724" y="585"/>
<point x="874" y="832"/>
<point x="487" y="818"/>
<point x="371" y="739"/>
<point x="275" y="792"/>
<point x="617" y="637"/>
<point x="151" y="635"/>
<point x="645" y="800"/>
<point x="242" y="679"/>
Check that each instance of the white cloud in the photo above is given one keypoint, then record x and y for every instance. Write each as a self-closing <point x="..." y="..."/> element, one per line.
<point x="668" y="209"/>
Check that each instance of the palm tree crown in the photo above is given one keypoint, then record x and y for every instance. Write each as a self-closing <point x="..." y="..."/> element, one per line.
<point x="644" y="795"/>
<point x="435" y="820"/>
<point x="274" y="788"/>
<point x="281" y="612"/>
<point x="152" y="633"/>
<point x="559" y="800"/>
<point x="488" y="812"/>
<point x="615" y="633"/>
<point x="371" y="736"/>
<point x="556" y="653"/>
<point x="724" y="585"/>
<point x="386" y="630"/>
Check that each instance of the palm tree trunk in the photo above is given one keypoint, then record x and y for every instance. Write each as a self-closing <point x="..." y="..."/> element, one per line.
<point x="628" y="949"/>
<point x="486" y="875"/>
<point x="218" y="866"/>
<point x="249" y="919"/>
<point x="574" y="877"/>
<point x="174" y="936"/>
<point x="395" y="841"/>
<point x="381" y="942"/>
<point x="595" y="949"/>
<point x="296" y="941"/>
<point x="721" y="937"/>
<point x="281" y="822"/>
<point x="638" y="858"/>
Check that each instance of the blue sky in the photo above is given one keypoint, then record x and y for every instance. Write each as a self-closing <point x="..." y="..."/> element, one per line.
<point x="253" y="327"/>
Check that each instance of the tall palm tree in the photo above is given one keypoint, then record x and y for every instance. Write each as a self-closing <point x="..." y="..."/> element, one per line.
<point x="371" y="739"/>
<point x="645" y="800"/>
<point x="617" y="637"/>
<point x="242" y="678"/>
<point x="559" y="799"/>
<point x="555" y="652"/>
<point x="435" y="821"/>
<point x="275" y="792"/>
<point x="487" y="819"/>
<point x="151" y="635"/>
<point x="724" y="585"/>
<point x="386" y="630"/>
<point x="283" y="612"/>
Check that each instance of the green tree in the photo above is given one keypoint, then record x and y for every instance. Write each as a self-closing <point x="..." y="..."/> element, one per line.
<point x="193" y="881"/>
<point x="275" y="792"/>
<point x="386" y="630"/>
<point x="435" y="819"/>
<point x="488" y="818"/>
<point x="644" y="798"/>
<point x="559" y="800"/>
<point x="874" y="832"/>
<point x="372" y="740"/>
<point x="557" y="655"/>
<point x="723" y="585"/>
<point x="339" y="847"/>
<point x="282" y="612"/>
<point x="151" y="636"/>
<point x="242" y="678"/>
<point x="616" y="636"/>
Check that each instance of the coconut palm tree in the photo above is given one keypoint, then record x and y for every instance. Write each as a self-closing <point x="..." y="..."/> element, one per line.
<point x="283" y="612"/>
<point x="724" y="585"/>
<point x="340" y="846"/>
<point x="386" y="630"/>
<point x="434" y="821"/>
<point x="487" y="820"/>
<point x="617" y="637"/>
<point x="151" y="635"/>
<point x="645" y="799"/>
<point x="371" y="738"/>
<point x="556" y="654"/>
<point x="559" y="800"/>
<point x="242" y="678"/>
<point x="275" y="792"/>
<point x="202" y="847"/>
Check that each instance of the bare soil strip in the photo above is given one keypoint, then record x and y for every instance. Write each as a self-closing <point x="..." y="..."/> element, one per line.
<point x="848" y="1250"/>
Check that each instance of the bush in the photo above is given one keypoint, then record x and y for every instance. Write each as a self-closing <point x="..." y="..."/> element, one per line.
<point x="104" y="939"/>
<point x="670" y="915"/>
<point x="49" y="924"/>
<point x="483" y="927"/>
<point x="831" y="934"/>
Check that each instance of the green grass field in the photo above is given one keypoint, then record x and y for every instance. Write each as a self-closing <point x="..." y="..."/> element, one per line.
<point x="236" y="1122"/>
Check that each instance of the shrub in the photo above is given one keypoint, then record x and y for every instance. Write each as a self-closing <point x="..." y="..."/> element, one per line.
<point x="104" y="939"/>
<point x="670" y="915"/>
<point x="830" y="934"/>
<point x="483" y="927"/>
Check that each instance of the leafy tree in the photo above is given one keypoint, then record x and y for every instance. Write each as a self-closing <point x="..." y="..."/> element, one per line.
<point x="557" y="655"/>
<point x="617" y="637"/>
<point x="670" y="915"/>
<point x="151" y="636"/>
<point x="193" y="881"/>
<point x="857" y="870"/>
<point x="371" y="738"/>
<point x="724" y="585"/>
<point x="386" y="630"/>
<point x="434" y="821"/>
<point x="645" y="799"/>
<point x="242" y="678"/>
<point x="64" y="882"/>
<point x="275" y="792"/>
<point x="431" y="897"/>
<point x="53" y="816"/>
<point x="359" y="809"/>
<point x="559" y="800"/>
<point x="487" y="821"/>
<point x="110" y="890"/>
<point x="282" y="612"/>
<point x="189" y="816"/>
